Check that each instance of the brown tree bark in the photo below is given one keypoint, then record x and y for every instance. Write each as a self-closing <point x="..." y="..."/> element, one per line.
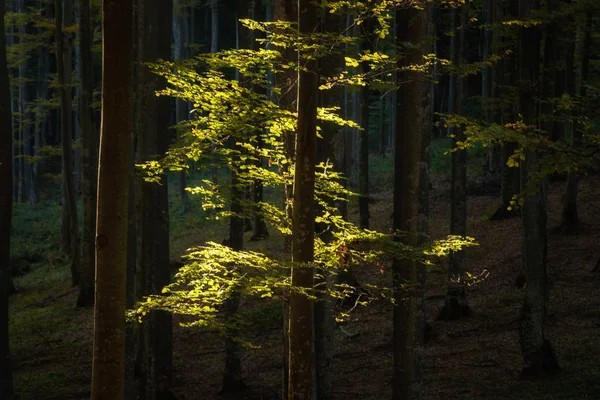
<point x="108" y="365"/>
<point x="6" y="199"/>
<point x="303" y="219"/>
<point x="286" y="10"/>
<point x="63" y="67"/>
<point x="89" y="158"/>
<point x="412" y="113"/>
<point x="153" y="24"/>
<point x="536" y="349"/>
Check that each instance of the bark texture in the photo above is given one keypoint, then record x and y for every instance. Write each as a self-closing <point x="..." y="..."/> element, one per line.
<point x="303" y="220"/>
<point x="108" y="366"/>
<point x="412" y="115"/>
<point x="153" y="41"/>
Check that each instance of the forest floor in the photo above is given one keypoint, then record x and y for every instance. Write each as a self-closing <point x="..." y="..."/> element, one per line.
<point x="475" y="358"/>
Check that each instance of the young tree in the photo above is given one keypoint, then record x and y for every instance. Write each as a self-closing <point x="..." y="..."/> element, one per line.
<point x="108" y="366"/>
<point x="6" y="194"/>
<point x="303" y="217"/>
<point x="89" y="158"/>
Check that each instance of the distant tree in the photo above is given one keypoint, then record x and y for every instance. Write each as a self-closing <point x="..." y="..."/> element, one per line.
<point x="6" y="194"/>
<point x="108" y="366"/>
<point x="577" y="85"/>
<point x="89" y="157"/>
<point x="455" y="306"/>
<point x="70" y="221"/>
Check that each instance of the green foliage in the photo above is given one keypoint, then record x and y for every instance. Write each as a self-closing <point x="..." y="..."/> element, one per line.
<point x="229" y="117"/>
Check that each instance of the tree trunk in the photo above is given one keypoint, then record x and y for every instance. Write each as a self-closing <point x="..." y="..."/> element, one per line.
<point x="535" y="348"/>
<point x="412" y="113"/>
<point x="153" y="41"/>
<point x="6" y="199"/>
<point x="108" y="370"/>
<point x="89" y="158"/>
<point x="214" y="47"/>
<point x="260" y="227"/>
<point x="506" y="76"/>
<point x="363" y="136"/>
<point x="456" y="306"/>
<point x="286" y="10"/>
<point x="63" y="67"/>
<point x="570" y="215"/>
<point x="303" y="219"/>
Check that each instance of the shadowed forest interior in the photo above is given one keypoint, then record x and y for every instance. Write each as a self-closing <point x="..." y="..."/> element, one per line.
<point x="302" y="200"/>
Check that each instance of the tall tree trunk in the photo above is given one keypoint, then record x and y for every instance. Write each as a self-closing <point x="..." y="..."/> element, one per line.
<point x="6" y="199"/>
<point x="505" y="76"/>
<point x="456" y="306"/>
<point x="363" y="138"/>
<point x="232" y="375"/>
<point x="286" y="10"/>
<point x="27" y="190"/>
<point x="153" y="41"/>
<point x="108" y="366"/>
<point x="412" y="113"/>
<point x="214" y="47"/>
<point x="89" y="158"/>
<point x="63" y="60"/>
<point x="330" y="149"/>
<point x="303" y="219"/>
<point x="570" y="214"/>
<point x="537" y="351"/>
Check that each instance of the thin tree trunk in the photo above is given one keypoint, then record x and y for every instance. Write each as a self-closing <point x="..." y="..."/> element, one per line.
<point x="570" y="215"/>
<point x="63" y="60"/>
<point x="214" y="47"/>
<point x="89" y="158"/>
<point x="180" y="34"/>
<point x="363" y="136"/>
<point x="303" y="219"/>
<point x="456" y="306"/>
<point x="6" y="199"/>
<point x="108" y="366"/>
<point x="260" y="227"/>
<point x="412" y="113"/>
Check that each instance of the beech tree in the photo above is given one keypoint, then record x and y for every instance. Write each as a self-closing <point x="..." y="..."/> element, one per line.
<point x="108" y="365"/>
<point x="411" y="114"/>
